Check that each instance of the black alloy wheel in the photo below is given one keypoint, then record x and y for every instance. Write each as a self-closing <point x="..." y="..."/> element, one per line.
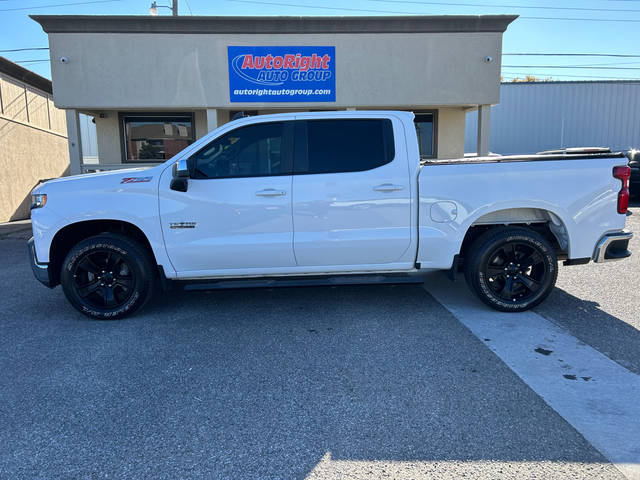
<point x="108" y="276"/>
<point x="515" y="271"/>
<point x="104" y="279"/>
<point x="511" y="269"/>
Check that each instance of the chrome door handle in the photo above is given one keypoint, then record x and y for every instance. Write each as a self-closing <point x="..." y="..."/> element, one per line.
<point x="387" y="187"/>
<point x="270" y="192"/>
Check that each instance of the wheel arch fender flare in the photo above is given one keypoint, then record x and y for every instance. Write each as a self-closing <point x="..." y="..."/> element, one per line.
<point x="74" y="232"/>
<point x="555" y="218"/>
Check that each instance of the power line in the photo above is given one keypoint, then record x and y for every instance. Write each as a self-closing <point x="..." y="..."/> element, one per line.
<point x="613" y="64"/>
<point x="621" y="20"/>
<point x="279" y="4"/>
<point x="57" y="5"/>
<point x="189" y="7"/>
<point x="490" y="5"/>
<point x="571" y="66"/>
<point x="570" y="76"/>
<point x="23" y="49"/>
<point x="574" y="54"/>
<point x="322" y="8"/>
<point x="608" y="63"/>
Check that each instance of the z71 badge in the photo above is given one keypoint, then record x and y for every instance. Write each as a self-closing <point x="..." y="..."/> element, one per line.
<point x="136" y="179"/>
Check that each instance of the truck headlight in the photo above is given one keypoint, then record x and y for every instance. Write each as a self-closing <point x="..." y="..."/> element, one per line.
<point x="38" y="200"/>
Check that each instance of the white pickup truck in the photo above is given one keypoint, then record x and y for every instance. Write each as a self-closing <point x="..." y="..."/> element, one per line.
<point x="307" y="196"/>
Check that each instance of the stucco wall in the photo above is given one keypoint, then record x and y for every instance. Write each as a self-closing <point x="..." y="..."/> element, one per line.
<point x="451" y="124"/>
<point x="450" y="134"/>
<point x="200" y="126"/>
<point x="26" y="156"/>
<point x="108" y="137"/>
<point x="33" y="145"/>
<point x="411" y="70"/>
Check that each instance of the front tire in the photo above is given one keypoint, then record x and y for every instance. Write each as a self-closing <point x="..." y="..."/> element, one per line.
<point x="108" y="276"/>
<point x="511" y="269"/>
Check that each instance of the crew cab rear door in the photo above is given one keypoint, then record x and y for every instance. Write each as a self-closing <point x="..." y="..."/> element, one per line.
<point x="351" y="193"/>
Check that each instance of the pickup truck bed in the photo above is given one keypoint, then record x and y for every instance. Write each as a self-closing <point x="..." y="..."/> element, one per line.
<point x="575" y="196"/>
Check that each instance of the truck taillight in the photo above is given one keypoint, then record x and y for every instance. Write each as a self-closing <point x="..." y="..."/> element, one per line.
<point x="623" y="174"/>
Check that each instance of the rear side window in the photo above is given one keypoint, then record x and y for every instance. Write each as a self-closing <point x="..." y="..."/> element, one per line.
<point x="349" y="145"/>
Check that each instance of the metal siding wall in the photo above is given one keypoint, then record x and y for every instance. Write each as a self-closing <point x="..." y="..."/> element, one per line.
<point x="530" y="117"/>
<point x="471" y="131"/>
<point x="89" y="140"/>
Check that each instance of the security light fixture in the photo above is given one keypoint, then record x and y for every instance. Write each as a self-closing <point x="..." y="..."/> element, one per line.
<point x="153" y="9"/>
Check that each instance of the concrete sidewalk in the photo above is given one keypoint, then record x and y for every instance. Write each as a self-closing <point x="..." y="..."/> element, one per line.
<point x="20" y="229"/>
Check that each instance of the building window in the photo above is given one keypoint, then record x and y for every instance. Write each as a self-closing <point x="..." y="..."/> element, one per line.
<point x="426" y="130"/>
<point x="155" y="137"/>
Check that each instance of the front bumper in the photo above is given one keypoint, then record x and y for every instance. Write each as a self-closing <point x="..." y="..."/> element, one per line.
<point x="40" y="270"/>
<point x="613" y="246"/>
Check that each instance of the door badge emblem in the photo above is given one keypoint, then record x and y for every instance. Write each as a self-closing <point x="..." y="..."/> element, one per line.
<point x="182" y="225"/>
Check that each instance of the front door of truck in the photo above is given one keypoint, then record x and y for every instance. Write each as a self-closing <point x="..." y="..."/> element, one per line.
<point x="236" y="216"/>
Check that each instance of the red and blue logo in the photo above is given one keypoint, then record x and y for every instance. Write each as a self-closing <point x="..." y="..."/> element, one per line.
<point x="282" y="74"/>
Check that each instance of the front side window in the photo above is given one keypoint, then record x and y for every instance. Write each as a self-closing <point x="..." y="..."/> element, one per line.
<point x="252" y="151"/>
<point x="347" y="145"/>
<point x="155" y="138"/>
<point x="425" y="128"/>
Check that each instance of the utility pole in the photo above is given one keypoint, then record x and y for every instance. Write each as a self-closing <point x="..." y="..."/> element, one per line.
<point x="174" y="8"/>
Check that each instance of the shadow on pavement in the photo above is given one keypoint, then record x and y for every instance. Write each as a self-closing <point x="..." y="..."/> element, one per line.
<point x="585" y="320"/>
<point x="18" y="230"/>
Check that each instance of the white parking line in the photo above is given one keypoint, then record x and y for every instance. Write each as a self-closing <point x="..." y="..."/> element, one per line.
<point x="597" y="396"/>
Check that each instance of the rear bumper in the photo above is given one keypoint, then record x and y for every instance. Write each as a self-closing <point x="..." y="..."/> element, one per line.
<point x="40" y="270"/>
<point x="613" y="246"/>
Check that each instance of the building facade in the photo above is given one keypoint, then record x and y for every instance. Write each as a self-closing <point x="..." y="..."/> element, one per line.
<point x="156" y="84"/>
<point x="33" y="138"/>
<point x="537" y="116"/>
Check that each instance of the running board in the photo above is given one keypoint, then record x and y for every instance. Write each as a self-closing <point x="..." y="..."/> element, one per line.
<point x="299" y="281"/>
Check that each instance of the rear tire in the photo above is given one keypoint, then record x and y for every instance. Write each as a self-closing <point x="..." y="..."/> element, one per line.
<point x="108" y="276"/>
<point x="511" y="269"/>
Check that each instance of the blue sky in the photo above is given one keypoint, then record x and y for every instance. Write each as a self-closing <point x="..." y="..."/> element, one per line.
<point x="589" y="33"/>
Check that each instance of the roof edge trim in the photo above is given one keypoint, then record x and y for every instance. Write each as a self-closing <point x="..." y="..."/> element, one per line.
<point x="272" y="25"/>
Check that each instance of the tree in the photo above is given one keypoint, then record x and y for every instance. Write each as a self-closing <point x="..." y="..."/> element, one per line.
<point x="530" y="78"/>
<point x="148" y="151"/>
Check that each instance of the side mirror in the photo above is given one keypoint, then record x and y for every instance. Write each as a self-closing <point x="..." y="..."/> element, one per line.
<point x="180" y="180"/>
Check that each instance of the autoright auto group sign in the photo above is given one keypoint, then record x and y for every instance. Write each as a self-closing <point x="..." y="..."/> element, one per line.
<point x="282" y="74"/>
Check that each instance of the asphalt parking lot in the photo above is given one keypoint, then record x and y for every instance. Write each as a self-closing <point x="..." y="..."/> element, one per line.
<point x="341" y="382"/>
